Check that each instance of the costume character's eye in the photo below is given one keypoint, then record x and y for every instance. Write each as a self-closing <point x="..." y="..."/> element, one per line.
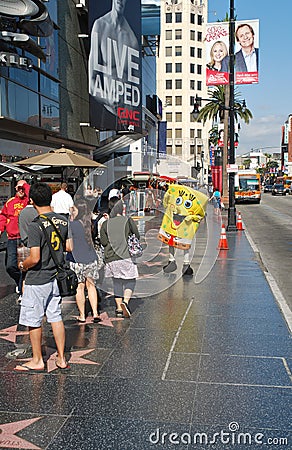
<point x="179" y="201"/>
<point x="188" y="204"/>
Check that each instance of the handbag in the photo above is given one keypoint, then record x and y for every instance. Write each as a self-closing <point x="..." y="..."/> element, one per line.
<point x="66" y="277"/>
<point x="134" y="246"/>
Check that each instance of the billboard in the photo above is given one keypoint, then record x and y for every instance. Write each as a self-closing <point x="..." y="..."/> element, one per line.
<point x="114" y="65"/>
<point x="246" y="51"/>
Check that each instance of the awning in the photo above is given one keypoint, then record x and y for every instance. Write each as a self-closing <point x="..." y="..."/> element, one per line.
<point x="115" y="143"/>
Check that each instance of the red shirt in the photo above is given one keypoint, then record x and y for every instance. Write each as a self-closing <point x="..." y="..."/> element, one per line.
<point x="10" y="212"/>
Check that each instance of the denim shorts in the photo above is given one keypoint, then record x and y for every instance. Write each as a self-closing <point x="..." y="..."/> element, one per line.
<point x="39" y="301"/>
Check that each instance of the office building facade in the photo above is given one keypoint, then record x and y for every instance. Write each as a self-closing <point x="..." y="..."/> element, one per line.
<point x="180" y="77"/>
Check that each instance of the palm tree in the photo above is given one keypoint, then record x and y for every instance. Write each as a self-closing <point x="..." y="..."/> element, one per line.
<point x="217" y="108"/>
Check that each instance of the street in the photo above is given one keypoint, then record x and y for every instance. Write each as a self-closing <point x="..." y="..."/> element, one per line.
<point x="269" y="225"/>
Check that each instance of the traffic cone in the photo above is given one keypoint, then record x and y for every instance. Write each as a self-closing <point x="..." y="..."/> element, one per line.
<point x="239" y="225"/>
<point x="223" y="244"/>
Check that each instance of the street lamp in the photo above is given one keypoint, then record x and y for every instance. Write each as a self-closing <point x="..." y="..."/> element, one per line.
<point x="231" y="108"/>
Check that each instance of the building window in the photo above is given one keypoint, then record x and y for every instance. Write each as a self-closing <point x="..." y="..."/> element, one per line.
<point x="192" y="133"/>
<point x="178" y="50"/>
<point x="199" y="85"/>
<point x="199" y="53"/>
<point x="192" y="35"/>
<point x="168" y="35"/>
<point x="192" y="100"/>
<point x="168" y="100"/>
<point x="200" y="19"/>
<point x="168" y="17"/>
<point x="178" y="67"/>
<point x="168" y="117"/>
<point x="199" y="36"/>
<point x="168" y="67"/>
<point x="178" y="100"/>
<point x="192" y="84"/>
<point x="192" y="51"/>
<point x="168" y="84"/>
<point x="178" y="133"/>
<point x="169" y="149"/>
<point x="178" y="84"/>
<point x="178" y="117"/>
<point x="178" y="17"/>
<point x="192" y="68"/>
<point x="192" y="18"/>
<point x="192" y="149"/>
<point x="169" y="133"/>
<point x="178" y="34"/>
<point x="168" y="51"/>
<point x="178" y="150"/>
<point x="199" y="133"/>
<point x="199" y="69"/>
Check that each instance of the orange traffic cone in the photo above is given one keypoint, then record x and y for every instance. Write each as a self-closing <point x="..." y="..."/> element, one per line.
<point x="239" y="224"/>
<point x="223" y="244"/>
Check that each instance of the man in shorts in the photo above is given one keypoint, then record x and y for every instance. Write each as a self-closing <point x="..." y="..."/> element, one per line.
<point x="41" y="295"/>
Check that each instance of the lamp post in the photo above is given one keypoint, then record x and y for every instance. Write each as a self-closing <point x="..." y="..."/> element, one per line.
<point x="231" y="209"/>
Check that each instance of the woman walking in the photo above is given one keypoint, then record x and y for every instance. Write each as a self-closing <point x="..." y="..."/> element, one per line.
<point x="119" y="266"/>
<point x="83" y="260"/>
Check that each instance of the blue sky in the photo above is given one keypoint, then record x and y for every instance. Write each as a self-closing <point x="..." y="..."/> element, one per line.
<point x="270" y="101"/>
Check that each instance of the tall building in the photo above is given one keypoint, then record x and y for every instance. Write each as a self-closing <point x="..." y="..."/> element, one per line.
<point x="181" y="71"/>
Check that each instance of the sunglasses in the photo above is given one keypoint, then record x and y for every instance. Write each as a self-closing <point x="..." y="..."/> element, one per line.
<point x="19" y="188"/>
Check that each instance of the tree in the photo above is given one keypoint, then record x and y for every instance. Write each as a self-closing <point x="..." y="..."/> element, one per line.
<point x="216" y="106"/>
<point x="246" y="163"/>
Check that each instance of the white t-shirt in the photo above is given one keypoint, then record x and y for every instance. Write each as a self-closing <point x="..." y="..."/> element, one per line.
<point x="62" y="202"/>
<point x="114" y="193"/>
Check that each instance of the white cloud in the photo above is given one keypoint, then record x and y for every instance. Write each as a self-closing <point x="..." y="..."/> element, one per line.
<point x="261" y="132"/>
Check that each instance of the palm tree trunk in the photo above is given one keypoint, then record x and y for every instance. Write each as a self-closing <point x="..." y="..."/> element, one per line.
<point x="225" y="197"/>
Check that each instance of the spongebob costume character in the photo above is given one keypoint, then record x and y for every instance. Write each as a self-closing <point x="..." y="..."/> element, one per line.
<point x="184" y="210"/>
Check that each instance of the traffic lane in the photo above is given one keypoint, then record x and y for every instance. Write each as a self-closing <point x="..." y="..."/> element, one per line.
<point x="269" y="225"/>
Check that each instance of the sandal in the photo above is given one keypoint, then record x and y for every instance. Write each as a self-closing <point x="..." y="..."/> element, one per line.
<point x="80" y="320"/>
<point x="119" y="313"/>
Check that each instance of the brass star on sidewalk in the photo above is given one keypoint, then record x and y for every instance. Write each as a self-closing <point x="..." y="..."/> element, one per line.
<point x="107" y="321"/>
<point x="11" y="333"/>
<point x="8" y="438"/>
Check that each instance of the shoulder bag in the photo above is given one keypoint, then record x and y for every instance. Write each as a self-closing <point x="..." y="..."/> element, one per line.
<point x="66" y="277"/>
<point x="134" y="245"/>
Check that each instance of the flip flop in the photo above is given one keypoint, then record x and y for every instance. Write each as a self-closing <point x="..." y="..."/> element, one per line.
<point x="67" y="367"/>
<point x="80" y="320"/>
<point x="26" y="369"/>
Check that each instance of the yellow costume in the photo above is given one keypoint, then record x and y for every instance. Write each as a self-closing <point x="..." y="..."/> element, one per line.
<point x="184" y="209"/>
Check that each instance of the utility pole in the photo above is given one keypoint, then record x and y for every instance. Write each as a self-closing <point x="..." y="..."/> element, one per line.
<point x="231" y="209"/>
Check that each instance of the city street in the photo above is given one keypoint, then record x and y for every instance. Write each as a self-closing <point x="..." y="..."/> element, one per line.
<point x="269" y="225"/>
<point x="198" y="366"/>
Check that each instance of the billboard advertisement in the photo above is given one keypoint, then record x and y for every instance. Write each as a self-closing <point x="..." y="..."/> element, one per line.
<point x="246" y="51"/>
<point x="114" y="65"/>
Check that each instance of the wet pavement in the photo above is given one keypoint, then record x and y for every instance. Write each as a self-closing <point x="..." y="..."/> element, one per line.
<point x="198" y="365"/>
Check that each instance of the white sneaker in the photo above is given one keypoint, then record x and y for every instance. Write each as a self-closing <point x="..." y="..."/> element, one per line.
<point x="17" y="290"/>
<point x="18" y="301"/>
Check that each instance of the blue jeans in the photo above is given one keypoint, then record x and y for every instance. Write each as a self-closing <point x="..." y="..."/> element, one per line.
<point x="11" y="260"/>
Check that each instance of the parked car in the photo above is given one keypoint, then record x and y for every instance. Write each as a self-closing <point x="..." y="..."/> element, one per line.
<point x="278" y="189"/>
<point x="268" y="187"/>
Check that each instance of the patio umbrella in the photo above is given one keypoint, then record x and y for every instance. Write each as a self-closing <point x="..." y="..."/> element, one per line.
<point x="61" y="157"/>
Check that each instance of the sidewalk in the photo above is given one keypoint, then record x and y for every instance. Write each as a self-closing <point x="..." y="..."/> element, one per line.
<point x="193" y="361"/>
